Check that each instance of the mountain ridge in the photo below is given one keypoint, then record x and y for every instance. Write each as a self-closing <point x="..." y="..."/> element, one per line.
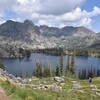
<point x="28" y="26"/>
<point x="27" y="35"/>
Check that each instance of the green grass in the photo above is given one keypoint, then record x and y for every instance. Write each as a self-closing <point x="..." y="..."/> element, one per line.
<point x="66" y="94"/>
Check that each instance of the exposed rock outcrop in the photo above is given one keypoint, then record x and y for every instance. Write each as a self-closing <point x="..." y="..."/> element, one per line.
<point x="15" y="35"/>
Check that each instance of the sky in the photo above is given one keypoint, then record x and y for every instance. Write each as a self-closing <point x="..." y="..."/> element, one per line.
<point x="56" y="13"/>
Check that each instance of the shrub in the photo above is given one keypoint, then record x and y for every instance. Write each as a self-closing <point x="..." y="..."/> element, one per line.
<point x="2" y="66"/>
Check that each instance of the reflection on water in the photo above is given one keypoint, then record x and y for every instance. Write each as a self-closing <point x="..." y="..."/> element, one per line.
<point x="83" y="65"/>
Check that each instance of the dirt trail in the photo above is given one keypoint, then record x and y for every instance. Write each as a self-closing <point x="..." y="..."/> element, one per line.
<point x="3" y="96"/>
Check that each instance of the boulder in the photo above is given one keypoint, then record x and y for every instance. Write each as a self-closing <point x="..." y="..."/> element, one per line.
<point x="98" y="94"/>
<point x="46" y="87"/>
<point x="19" y="79"/>
<point x="30" y="80"/>
<point x="1" y="71"/>
<point x="59" y="79"/>
<point x="25" y="81"/>
<point x="76" y="86"/>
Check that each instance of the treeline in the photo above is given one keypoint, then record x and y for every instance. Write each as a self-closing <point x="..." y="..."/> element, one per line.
<point x="51" y="51"/>
<point x="44" y="71"/>
<point x="47" y="71"/>
<point x="25" y="52"/>
<point x="60" y="70"/>
<point x="78" y="52"/>
<point x="91" y="72"/>
<point x="50" y="71"/>
<point x="85" y="52"/>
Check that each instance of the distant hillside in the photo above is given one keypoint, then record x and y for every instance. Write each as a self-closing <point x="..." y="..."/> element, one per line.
<point x="96" y="43"/>
<point x="15" y="35"/>
<point x="65" y="31"/>
<point x="18" y="30"/>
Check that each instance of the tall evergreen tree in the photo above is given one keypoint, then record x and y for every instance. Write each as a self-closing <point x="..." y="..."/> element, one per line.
<point x="57" y="71"/>
<point x="50" y="70"/>
<point x="38" y="70"/>
<point x="61" y="63"/>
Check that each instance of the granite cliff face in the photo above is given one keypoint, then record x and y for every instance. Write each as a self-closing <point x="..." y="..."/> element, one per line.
<point x="17" y="30"/>
<point x="65" y="31"/>
<point x="26" y="35"/>
<point x="96" y="42"/>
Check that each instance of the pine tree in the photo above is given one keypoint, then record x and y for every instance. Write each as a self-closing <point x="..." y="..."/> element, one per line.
<point x="57" y="71"/>
<point x="39" y="70"/>
<point x="50" y="70"/>
<point x="61" y="63"/>
<point x="72" y="63"/>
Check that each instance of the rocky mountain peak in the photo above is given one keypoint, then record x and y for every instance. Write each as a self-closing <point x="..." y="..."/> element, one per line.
<point x="46" y="36"/>
<point x="68" y="27"/>
<point x="18" y="30"/>
<point x="28" y="22"/>
<point x="10" y="21"/>
<point x="65" y="31"/>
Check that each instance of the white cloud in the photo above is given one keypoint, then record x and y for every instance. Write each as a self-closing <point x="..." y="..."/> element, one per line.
<point x="22" y="1"/>
<point x="96" y="11"/>
<point x="25" y="1"/>
<point x="85" y="22"/>
<point x="55" y="7"/>
<point x="2" y="21"/>
<point x="50" y="12"/>
<point x="55" y="12"/>
<point x="58" y="6"/>
<point x="77" y="17"/>
<point x="47" y="7"/>
<point x="6" y="5"/>
<point x="1" y="15"/>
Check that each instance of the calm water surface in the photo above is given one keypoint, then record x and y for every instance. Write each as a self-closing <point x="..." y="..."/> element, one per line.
<point x="18" y="66"/>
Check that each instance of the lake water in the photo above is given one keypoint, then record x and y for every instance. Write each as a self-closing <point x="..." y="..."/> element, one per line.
<point x="18" y="66"/>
